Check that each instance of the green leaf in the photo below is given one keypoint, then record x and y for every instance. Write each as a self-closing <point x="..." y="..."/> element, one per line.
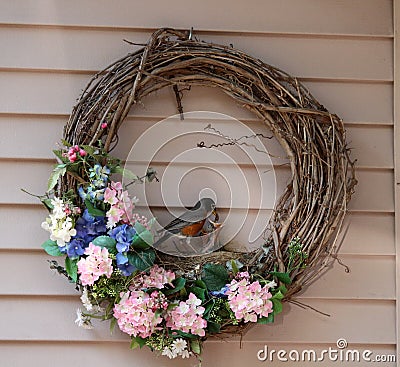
<point x="143" y="238"/>
<point x="59" y="155"/>
<point x="198" y="292"/>
<point x="107" y="242"/>
<point x="113" y="323"/>
<point x="282" y="289"/>
<point x="72" y="268"/>
<point x="195" y="346"/>
<point x="92" y="210"/>
<point x="126" y="173"/>
<point x="266" y="320"/>
<point x="137" y="342"/>
<point x="89" y="149"/>
<point x="178" y="283"/>
<point x="283" y="277"/>
<point x="142" y="260"/>
<point x="235" y="268"/>
<point x="215" y="276"/>
<point x="213" y="327"/>
<point x="278" y="295"/>
<point x="47" y="203"/>
<point x="199" y="283"/>
<point x="66" y="143"/>
<point x="52" y="248"/>
<point x="58" y="172"/>
<point x="277" y="306"/>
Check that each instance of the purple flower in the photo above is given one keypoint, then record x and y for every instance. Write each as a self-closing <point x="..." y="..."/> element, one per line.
<point x="126" y="269"/>
<point x="89" y="227"/>
<point x="221" y="293"/>
<point x="75" y="248"/>
<point x="123" y="234"/>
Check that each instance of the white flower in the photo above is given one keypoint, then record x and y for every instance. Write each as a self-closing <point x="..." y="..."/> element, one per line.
<point x="186" y="354"/>
<point x="87" y="304"/>
<point x="272" y="284"/>
<point x="169" y="353"/>
<point x="58" y="208"/>
<point x="82" y="320"/>
<point x="179" y="345"/>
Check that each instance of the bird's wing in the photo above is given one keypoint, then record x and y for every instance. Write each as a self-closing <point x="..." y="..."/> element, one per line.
<point x="181" y="218"/>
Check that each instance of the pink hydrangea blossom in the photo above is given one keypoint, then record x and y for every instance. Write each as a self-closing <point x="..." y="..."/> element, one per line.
<point x="136" y="312"/>
<point x="96" y="264"/>
<point x="122" y="206"/>
<point x="187" y="317"/>
<point x="249" y="300"/>
<point x="157" y="278"/>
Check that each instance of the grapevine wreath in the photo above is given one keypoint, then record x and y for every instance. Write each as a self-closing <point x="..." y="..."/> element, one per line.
<point x="172" y="304"/>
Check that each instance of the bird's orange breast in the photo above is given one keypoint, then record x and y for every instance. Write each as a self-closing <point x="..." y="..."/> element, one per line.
<point x="192" y="229"/>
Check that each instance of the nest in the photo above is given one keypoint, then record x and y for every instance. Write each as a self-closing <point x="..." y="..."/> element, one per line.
<point x="314" y="203"/>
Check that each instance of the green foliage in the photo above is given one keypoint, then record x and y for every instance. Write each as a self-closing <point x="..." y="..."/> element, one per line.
<point x="178" y="283"/>
<point x="58" y="171"/>
<point x="142" y="260"/>
<point x="215" y="276"/>
<point x="283" y="277"/>
<point x="52" y="248"/>
<point x="107" y="242"/>
<point x="195" y="346"/>
<point x="92" y="210"/>
<point x="72" y="268"/>
<point x="266" y="320"/>
<point x="143" y="238"/>
<point x="198" y="292"/>
<point x="137" y="342"/>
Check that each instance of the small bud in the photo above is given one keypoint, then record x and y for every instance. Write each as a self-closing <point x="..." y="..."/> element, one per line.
<point x="82" y="152"/>
<point x="104" y="125"/>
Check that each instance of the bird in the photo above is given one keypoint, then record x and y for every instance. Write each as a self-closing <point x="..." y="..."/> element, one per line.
<point x="191" y="222"/>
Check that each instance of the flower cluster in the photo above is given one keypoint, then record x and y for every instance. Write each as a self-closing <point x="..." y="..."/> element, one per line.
<point x="59" y="223"/>
<point x="249" y="300"/>
<point x="99" y="177"/>
<point x="187" y="317"/>
<point x="178" y="347"/>
<point x="96" y="264"/>
<point x="121" y="205"/>
<point x="75" y="152"/>
<point x="158" y="278"/>
<point x="137" y="312"/>
<point x="110" y="258"/>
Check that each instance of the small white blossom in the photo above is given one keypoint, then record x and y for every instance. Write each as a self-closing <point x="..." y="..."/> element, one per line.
<point x="82" y="320"/>
<point x="179" y="345"/>
<point x="169" y="353"/>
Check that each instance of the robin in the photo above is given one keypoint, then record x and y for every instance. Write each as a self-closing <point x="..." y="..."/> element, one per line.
<point x="191" y="222"/>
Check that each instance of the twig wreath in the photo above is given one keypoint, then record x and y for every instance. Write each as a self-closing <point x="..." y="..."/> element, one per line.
<point x="173" y="304"/>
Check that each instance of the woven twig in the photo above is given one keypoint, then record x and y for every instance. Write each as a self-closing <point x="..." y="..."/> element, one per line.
<point x="322" y="181"/>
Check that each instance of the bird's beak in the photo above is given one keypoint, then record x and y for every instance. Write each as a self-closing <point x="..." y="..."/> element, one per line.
<point x="216" y="216"/>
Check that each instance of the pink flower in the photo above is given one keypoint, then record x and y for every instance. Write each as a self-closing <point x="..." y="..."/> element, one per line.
<point x="82" y="152"/>
<point x="157" y="278"/>
<point x="187" y="317"/>
<point x="248" y="300"/>
<point x="136" y="312"/>
<point x="96" y="264"/>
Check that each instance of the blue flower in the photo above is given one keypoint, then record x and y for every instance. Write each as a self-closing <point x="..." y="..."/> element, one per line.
<point x="123" y="234"/>
<point x="221" y="293"/>
<point x="89" y="227"/>
<point x="99" y="176"/>
<point x="126" y="269"/>
<point x="75" y="248"/>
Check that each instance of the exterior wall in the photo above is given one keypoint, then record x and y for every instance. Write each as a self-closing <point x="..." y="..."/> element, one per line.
<point x="343" y="51"/>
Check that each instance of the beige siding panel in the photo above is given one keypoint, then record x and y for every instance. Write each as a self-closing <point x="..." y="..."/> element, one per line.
<point x="372" y="145"/>
<point x="311" y="57"/>
<point x="365" y="199"/>
<point x="27" y="92"/>
<point x="216" y="353"/>
<point x="290" y="325"/>
<point x="369" y="278"/>
<point x="371" y="17"/>
<point x="368" y="233"/>
<point x="52" y="318"/>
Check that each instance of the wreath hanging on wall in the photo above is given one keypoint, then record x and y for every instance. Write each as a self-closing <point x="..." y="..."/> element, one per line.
<point x="161" y="302"/>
